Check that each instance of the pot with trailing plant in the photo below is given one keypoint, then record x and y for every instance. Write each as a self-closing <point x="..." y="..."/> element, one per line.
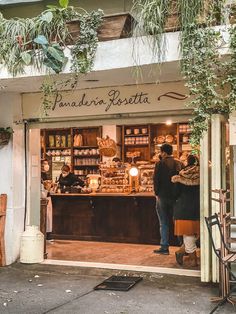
<point x="5" y="135"/>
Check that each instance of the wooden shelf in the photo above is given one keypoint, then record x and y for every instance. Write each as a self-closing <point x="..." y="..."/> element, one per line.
<point x="67" y="147"/>
<point x="76" y="166"/>
<point x="135" y="145"/>
<point x="59" y="155"/>
<point x="147" y="150"/>
<point x="84" y="147"/>
<point x="87" y="156"/>
<point x="137" y="135"/>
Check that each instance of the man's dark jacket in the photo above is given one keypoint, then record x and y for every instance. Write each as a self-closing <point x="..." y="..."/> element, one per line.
<point x="164" y="170"/>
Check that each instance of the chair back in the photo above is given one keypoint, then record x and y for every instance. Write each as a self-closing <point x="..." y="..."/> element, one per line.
<point x="212" y="221"/>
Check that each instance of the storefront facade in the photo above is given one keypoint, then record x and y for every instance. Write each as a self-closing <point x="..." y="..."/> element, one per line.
<point x="106" y="97"/>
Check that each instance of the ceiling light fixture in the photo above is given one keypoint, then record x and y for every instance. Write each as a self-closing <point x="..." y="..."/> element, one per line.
<point x="168" y="122"/>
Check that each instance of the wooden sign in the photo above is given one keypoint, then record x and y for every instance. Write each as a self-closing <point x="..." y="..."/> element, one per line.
<point x="113" y="100"/>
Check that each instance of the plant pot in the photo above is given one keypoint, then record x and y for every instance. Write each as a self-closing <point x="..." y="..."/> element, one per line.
<point x="116" y="26"/>
<point x="112" y="27"/>
<point x="172" y="23"/>
<point x="4" y="138"/>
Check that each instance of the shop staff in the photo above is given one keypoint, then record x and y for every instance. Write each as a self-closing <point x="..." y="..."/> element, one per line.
<point x="44" y="170"/>
<point x="68" y="179"/>
<point x="164" y="190"/>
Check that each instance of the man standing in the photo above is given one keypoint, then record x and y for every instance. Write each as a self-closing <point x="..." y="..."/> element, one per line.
<point x="164" y="190"/>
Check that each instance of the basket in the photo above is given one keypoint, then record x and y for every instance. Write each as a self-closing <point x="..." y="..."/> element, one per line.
<point x="4" y="138"/>
<point x="107" y="146"/>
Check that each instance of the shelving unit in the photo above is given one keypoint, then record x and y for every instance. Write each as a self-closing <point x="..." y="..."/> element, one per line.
<point x="56" y="148"/>
<point x="146" y="140"/>
<point x="86" y="157"/>
<point x="136" y="141"/>
<point x="140" y="141"/>
<point x="184" y="132"/>
<point x="162" y="133"/>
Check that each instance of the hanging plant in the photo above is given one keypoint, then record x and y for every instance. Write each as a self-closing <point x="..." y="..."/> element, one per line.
<point x="211" y="82"/>
<point x="152" y="17"/>
<point x="5" y="135"/>
<point x="41" y="41"/>
<point x="203" y="68"/>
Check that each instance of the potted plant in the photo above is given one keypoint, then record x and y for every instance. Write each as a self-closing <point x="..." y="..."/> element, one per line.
<point x="5" y="135"/>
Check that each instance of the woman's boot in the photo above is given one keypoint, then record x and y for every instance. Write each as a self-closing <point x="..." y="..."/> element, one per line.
<point x="179" y="255"/>
<point x="193" y="259"/>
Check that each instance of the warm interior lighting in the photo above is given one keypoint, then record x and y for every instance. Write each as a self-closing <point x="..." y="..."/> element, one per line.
<point x="168" y="122"/>
<point x="133" y="171"/>
<point x="93" y="181"/>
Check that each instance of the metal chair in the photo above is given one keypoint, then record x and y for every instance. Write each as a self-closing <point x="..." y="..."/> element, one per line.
<point x="226" y="257"/>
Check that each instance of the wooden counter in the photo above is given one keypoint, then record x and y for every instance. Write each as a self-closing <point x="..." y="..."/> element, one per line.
<point x="127" y="218"/>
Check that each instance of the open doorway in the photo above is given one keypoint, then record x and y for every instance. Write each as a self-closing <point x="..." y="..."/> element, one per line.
<point x="115" y="221"/>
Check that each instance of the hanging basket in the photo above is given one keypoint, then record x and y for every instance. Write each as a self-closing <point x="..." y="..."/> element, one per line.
<point x="107" y="146"/>
<point x="4" y="137"/>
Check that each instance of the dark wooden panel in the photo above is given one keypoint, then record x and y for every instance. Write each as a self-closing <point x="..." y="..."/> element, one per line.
<point x="107" y="218"/>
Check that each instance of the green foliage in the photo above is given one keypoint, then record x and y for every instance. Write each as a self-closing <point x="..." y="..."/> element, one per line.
<point x="83" y="52"/>
<point x="152" y="16"/>
<point x="203" y="69"/>
<point x="64" y="3"/>
<point x="211" y="82"/>
<point x="6" y="130"/>
<point x="40" y="42"/>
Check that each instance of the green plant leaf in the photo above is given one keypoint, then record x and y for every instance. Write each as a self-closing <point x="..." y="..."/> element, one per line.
<point x="41" y="39"/>
<point x="64" y="3"/>
<point x="56" y="54"/>
<point x="26" y="57"/>
<point x="53" y="64"/>
<point x="51" y="6"/>
<point x="47" y="17"/>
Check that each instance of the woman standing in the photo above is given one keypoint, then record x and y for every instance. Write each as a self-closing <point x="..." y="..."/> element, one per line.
<point x="187" y="209"/>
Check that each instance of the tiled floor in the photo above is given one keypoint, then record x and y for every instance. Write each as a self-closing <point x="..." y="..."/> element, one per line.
<point x="117" y="253"/>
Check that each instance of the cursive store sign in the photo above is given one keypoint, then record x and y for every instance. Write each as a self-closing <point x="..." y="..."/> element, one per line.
<point x="113" y="98"/>
<point x="126" y="99"/>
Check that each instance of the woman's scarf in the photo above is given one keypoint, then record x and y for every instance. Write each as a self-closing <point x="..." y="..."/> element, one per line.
<point x="188" y="176"/>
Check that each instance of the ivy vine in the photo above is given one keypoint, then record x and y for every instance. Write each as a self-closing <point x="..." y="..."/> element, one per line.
<point x="41" y="41"/>
<point x="211" y="81"/>
<point x="207" y="76"/>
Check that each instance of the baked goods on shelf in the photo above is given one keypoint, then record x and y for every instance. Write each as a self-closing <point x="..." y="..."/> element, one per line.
<point x="146" y="178"/>
<point x="114" y="178"/>
<point x="169" y="139"/>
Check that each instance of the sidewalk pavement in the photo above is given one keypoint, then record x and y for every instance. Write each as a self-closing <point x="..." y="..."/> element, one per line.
<point x="41" y="289"/>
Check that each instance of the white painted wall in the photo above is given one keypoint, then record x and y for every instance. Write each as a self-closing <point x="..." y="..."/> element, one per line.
<point x="123" y="53"/>
<point x="34" y="178"/>
<point x="12" y="175"/>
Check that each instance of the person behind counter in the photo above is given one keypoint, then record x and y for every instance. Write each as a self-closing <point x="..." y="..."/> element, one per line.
<point x="44" y="170"/>
<point x="68" y="179"/>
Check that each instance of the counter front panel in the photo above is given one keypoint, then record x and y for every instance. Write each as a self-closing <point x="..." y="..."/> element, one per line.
<point x="107" y="218"/>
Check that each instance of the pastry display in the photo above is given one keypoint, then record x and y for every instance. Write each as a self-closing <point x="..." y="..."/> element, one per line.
<point x="160" y="139"/>
<point x="146" y="178"/>
<point x="133" y="154"/>
<point x="169" y="139"/>
<point x="114" y="178"/>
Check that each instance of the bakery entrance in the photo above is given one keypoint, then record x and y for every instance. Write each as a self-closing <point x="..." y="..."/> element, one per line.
<point x="98" y="181"/>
